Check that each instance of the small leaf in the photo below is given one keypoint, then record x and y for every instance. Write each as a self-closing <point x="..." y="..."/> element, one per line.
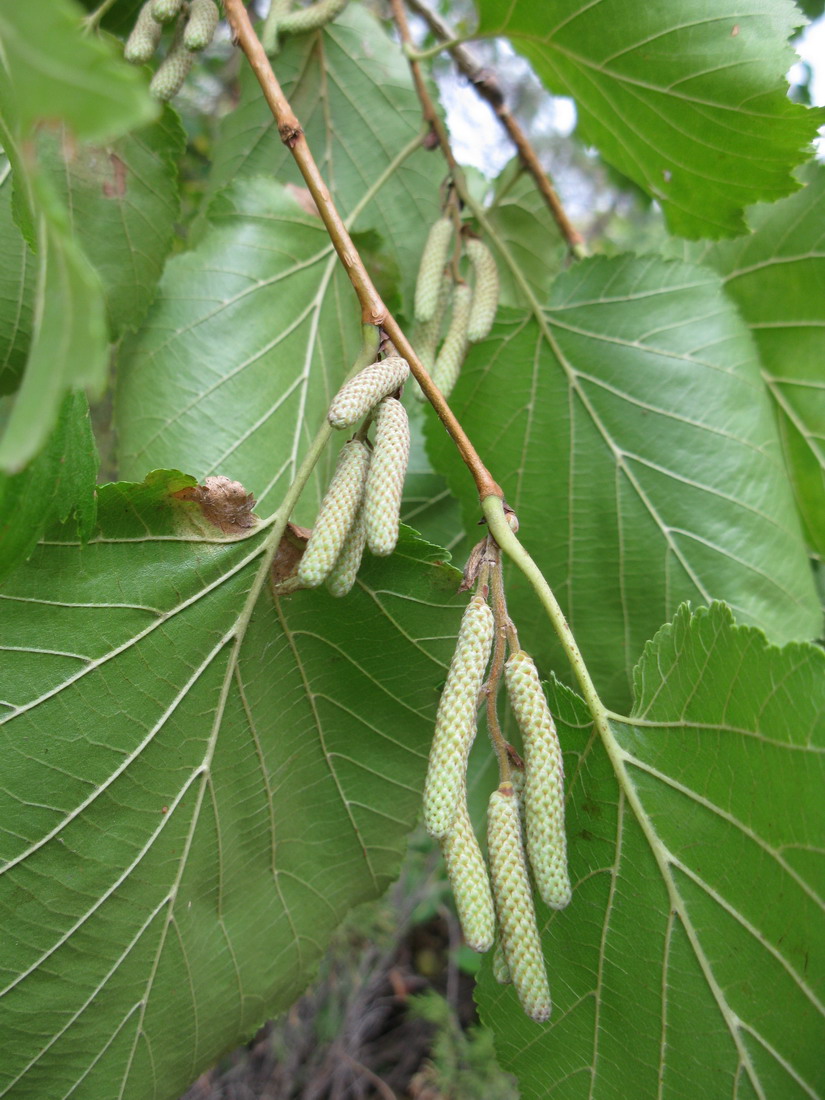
<point x="690" y="961"/>
<point x="688" y="100"/>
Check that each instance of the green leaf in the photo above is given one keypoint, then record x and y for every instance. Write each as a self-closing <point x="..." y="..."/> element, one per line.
<point x="776" y="276"/>
<point x="690" y="961"/>
<point x="200" y="780"/>
<point x="50" y="70"/>
<point x="631" y="432"/>
<point x="17" y="283"/>
<point x="58" y="482"/>
<point x="688" y="100"/>
<point x="351" y="89"/>
<point x="250" y="336"/>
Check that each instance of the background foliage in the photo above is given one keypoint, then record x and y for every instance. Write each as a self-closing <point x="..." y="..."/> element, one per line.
<point x="203" y="773"/>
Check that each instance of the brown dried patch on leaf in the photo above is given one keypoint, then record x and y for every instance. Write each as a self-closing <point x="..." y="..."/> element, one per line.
<point x="303" y="198"/>
<point x="223" y="503"/>
<point x="116" y="189"/>
<point x="284" y="573"/>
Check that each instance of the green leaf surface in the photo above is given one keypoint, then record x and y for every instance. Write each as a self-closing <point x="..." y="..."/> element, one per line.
<point x="689" y="100"/>
<point x="249" y="338"/>
<point x="776" y="276"/>
<point x="200" y="780"/>
<point x="351" y="89"/>
<point x="58" y="482"/>
<point x="51" y="71"/>
<point x="631" y="432"/>
<point x="690" y="961"/>
<point x="17" y="285"/>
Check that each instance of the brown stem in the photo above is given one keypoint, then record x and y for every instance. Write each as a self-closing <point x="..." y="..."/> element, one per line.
<point x="373" y="310"/>
<point x="487" y="86"/>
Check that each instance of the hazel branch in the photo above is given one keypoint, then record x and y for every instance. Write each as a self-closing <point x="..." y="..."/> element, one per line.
<point x="486" y="85"/>
<point x="373" y="310"/>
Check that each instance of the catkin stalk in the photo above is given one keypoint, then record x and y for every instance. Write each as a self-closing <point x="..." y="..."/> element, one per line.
<point x="431" y="268"/>
<point x="455" y="723"/>
<point x="363" y="392"/>
<point x="146" y="34"/>
<point x="470" y="882"/>
<point x="336" y="515"/>
<point x="451" y="356"/>
<point x="485" y="290"/>
<point x="385" y="483"/>
<point x="543" y="796"/>
<point x="514" y="904"/>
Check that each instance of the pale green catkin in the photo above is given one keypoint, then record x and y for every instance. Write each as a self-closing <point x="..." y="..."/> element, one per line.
<point x="385" y="482"/>
<point x="431" y="268"/>
<point x="485" y="290"/>
<point x="363" y="392"/>
<point x="501" y="971"/>
<point x="451" y="356"/>
<point x="171" y="73"/>
<point x="514" y="904"/>
<point x="348" y="562"/>
<point x="164" y="11"/>
<point x="336" y="515"/>
<point x="543" y="795"/>
<point x="469" y="880"/>
<point x="146" y="34"/>
<point x="455" y="723"/>
<point x="200" y="27"/>
<point x="311" y="18"/>
<point x="428" y="333"/>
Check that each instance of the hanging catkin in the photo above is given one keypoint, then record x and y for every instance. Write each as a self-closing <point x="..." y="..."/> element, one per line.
<point x="455" y="724"/>
<point x="433" y="259"/>
<point x="336" y="515"/>
<point x="485" y="290"/>
<point x="363" y="392"/>
<point x="543" y="795"/>
<point x="385" y="483"/>
<point x="514" y="904"/>
<point x="451" y="356"/>
<point x="146" y="34"/>
<point x="201" y="24"/>
<point x="470" y="882"/>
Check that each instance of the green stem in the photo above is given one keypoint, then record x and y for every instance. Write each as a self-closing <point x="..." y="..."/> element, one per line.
<point x="433" y="51"/>
<point x="92" y="20"/>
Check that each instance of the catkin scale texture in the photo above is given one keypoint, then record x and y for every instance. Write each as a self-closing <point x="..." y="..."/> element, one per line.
<point x="348" y="562"/>
<point x="171" y="73"/>
<point x="310" y="19"/>
<point x="514" y="904"/>
<point x="470" y="882"/>
<point x="363" y="392"/>
<point x="430" y="270"/>
<point x="200" y="27"/>
<point x="455" y="723"/>
<point x="485" y="291"/>
<point x="336" y="515"/>
<point x="385" y="482"/>
<point x="164" y="11"/>
<point x="543" y="795"/>
<point x="146" y="34"/>
<point x="451" y="356"/>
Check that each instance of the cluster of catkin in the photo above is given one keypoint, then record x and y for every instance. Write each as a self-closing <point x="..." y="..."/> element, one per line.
<point x="194" y="21"/>
<point x="451" y="314"/>
<point x="363" y="502"/>
<point x="525" y="816"/>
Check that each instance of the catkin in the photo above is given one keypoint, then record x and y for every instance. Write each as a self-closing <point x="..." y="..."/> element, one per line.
<point x="363" y="392"/>
<point x="311" y="18"/>
<point x="171" y="73"/>
<point x="146" y="34"/>
<point x="336" y="515"/>
<point x="430" y="270"/>
<point x="455" y="723"/>
<point x="544" y="781"/>
<point x="201" y="24"/>
<point x="164" y="11"/>
<point x="454" y="348"/>
<point x="385" y="482"/>
<point x="514" y="904"/>
<point x="348" y="562"/>
<point x="485" y="291"/>
<point x="501" y="971"/>
<point x="470" y="882"/>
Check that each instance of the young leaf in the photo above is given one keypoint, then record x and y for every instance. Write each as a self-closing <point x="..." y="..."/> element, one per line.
<point x="689" y="99"/>
<point x="17" y="284"/>
<point x="691" y="960"/>
<point x="631" y="432"/>
<point x="176" y="741"/>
